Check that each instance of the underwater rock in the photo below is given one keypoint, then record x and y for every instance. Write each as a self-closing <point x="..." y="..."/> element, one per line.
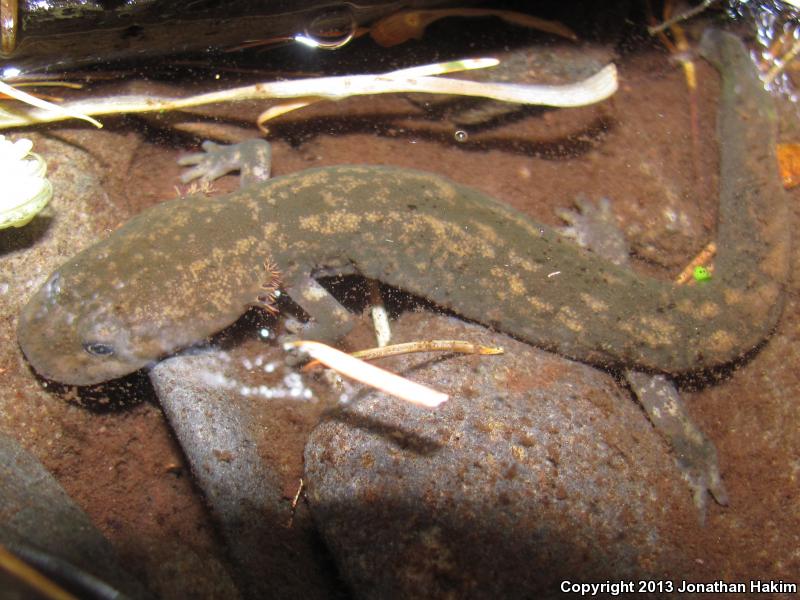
<point x="537" y="470"/>
<point x="242" y="419"/>
<point x="44" y="527"/>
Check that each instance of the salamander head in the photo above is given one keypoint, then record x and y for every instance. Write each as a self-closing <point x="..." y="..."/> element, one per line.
<point x="167" y="279"/>
<point x="74" y="340"/>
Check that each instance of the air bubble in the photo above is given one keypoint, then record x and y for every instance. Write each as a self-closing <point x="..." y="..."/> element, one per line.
<point x="331" y="29"/>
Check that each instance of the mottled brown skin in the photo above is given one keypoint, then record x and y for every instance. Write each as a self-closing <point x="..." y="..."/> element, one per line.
<point x="185" y="269"/>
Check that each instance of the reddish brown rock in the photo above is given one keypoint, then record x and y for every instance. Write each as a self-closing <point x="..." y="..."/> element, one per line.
<point x="537" y="470"/>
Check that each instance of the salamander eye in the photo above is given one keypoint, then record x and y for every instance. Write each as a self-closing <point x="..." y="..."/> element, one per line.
<point x="98" y="349"/>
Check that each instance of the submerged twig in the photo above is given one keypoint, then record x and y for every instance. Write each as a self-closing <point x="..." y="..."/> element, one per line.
<point x="688" y="14"/>
<point x="458" y="346"/>
<point x="63" y="112"/>
<point x="594" y="89"/>
<point x="33" y="578"/>
<point x="703" y="258"/>
<point x="680" y="50"/>
<point x="397" y="386"/>
<point x="380" y="316"/>
<point x="780" y="64"/>
<point x="401" y="26"/>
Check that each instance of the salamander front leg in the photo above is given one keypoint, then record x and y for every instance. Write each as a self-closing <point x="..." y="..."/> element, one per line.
<point x="252" y="158"/>
<point x="329" y="320"/>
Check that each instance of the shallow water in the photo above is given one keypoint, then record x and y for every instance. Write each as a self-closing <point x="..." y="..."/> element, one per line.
<point x="123" y="465"/>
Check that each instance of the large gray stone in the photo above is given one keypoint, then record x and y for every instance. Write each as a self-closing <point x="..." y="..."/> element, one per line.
<point x="43" y="526"/>
<point x="537" y="470"/>
<point x="242" y="418"/>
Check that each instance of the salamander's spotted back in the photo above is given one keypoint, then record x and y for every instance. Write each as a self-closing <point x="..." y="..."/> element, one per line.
<point x="185" y="269"/>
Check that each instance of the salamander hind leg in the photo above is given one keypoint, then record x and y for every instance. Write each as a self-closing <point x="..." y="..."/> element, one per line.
<point x="694" y="452"/>
<point x="594" y="227"/>
<point x="252" y="158"/>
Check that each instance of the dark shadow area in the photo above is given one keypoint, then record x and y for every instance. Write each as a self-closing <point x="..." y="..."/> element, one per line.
<point x="574" y="145"/>
<point x="14" y="239"/>
<point x="479" y="552"/>
<point x="408" y="126"/>
<point x="404" y="440"/>
<point x="112" y="396"/>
